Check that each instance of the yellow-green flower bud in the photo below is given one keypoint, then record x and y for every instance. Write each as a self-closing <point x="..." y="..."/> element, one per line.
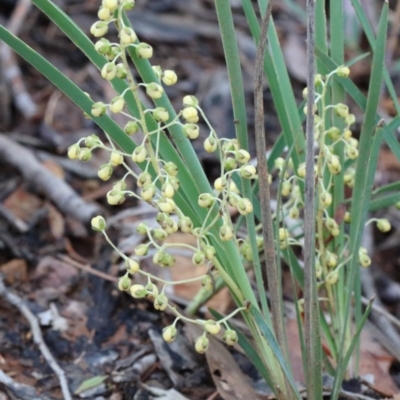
<point x="161" y="302"/>
<point x="325" y="199"/>
<point x="331" y="259"/>
<point x="244" y="206"/>
<point x="318" y="81"/>
<point x="142" y="250"/>
<point x="170" y="225"/>
<point x="286" y="188"/>
<point x="341" y="110"/>
<point x="117" y="104"/>
<point x="198" y="258"/>
<point x="109" y="71"/>
<point x="171" y="168"/>
<point x="131" y="128"/>
<point x="190" y="101"/>
<point x="121" y="71"/>
<point x="233" y="200"/>
<point x="160" y="114"/>
<point x="206" y="200"/>
<point x="220" y="184"/>
<point x="124" y="283"/>
<point x="167" y="190"/>
<point x="154" y="90"/>
<point x="212" y="327"/>
<point x="347" y="217"/>
<point x="185" y="224"/>
<point x="103" y="46"/>
<point x="347" y="134"/>
<point x="279" y="163"/>
<point x="127" y="4"/>
<point x="138" y="291"/>
<point x="148" y="192"/>
<point x="294" y="212"/>
<point x="364" y="260"/>
<point x="351" y="152"/>
<point x="85" y="155"/>
<point x="242" y="156"/>
<point x="230" y="164"/>
<point x="73" y="151"/>
<point x="301" y="170"/>
<point x="383" y="225"/>
<point x="207" y="283"/>
<point x="160" y="234"/>
<point x="112" y="5"/>
<point x="350" y="119"/>
<point x="144" y="50"/>
<point x="248" y="171"/>
<point x="333" y="133"/>
<point x="191" y="131"/>
<point x="139" y="154"/>
<point x="201" y="344"/>
<point x="166" y="206"/>
<point x="132" y="266"/>
<point x="225" y="233"/>
<point x="332" y="278"/>
<point x="99" y="29"/>
<point x="127" y="36"/>
<point x="114" y="52"/>
<point x="169" y="77"/>
<point x="209" y="251"/>
<point x="105" y="172"/>
<point x="283" y="234"/>
<point x="144" y="179"/>
<point x="152" y="290"/>
<point x="119" y="185"/>
<point x="169" y="333"/>
<point x="104" y="14"/>
<point x="305" y="93"/>
<point x="230" y="337"/>
<point x="343" y="71"/>
<point x="190" y="114"/>
<point x="210" y="144"/>
<point x="116" y="159"/>
<point x="115" y="197"/>
<point x="98" y="223"/>
<point x="98" y="109"/>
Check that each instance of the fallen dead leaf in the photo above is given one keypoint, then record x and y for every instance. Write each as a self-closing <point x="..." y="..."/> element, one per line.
<point x="15" y="271"/>
<point x="230" y="381"/>
<point x="23" y="204"/>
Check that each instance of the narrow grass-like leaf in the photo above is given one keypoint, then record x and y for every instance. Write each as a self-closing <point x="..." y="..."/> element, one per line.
<point x="279" y="83"/>
<point x="228" y="36"/>
<point x="372" y="42"/>
<point x="269" y="336"/>
<point x="341" y="370"/>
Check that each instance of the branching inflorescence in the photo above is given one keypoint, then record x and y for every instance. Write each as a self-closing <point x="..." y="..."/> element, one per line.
<point x="158" y="182"/>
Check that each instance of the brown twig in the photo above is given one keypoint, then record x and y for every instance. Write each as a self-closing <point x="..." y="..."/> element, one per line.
<point x="37" y="336"/>
<point x="265" y="197"/>
<point x="311" y="309"/>
<point x="66" y="199"/>
<point x="12" y="73"/>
